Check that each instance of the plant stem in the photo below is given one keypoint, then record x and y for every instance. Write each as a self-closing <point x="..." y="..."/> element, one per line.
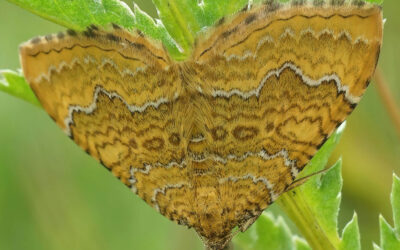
<point x="387" y="99"/>
<point x="298" y="210"/>
<point x="188" y="37"/>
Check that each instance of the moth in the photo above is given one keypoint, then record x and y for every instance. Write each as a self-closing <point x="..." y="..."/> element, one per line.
<point x="210" y="142"/>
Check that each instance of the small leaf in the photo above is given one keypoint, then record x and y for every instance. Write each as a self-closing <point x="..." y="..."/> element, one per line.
<point x="351" y="236"/>
<point x="390" y="237"/>
<point x="14" y="84"/>
<point x="323" y="196"/>
<point x="269" y="233"/>
<point x="79" y="14"/>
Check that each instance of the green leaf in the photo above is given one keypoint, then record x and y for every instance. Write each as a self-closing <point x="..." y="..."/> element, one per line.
<point x="390" y="237"/>
<point x="14" y="84"/>
<point x="271" y="233"/>
<point x="351" y="235"/>
<point x="79" y="14"/>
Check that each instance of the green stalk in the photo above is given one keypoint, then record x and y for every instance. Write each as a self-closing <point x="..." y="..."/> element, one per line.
<point x="298" y="210"/>
<point x="180" y="21"/>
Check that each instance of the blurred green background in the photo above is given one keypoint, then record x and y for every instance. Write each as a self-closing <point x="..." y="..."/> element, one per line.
<point x="54" y="196"/>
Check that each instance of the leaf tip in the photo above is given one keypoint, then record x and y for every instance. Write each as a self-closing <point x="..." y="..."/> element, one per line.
<point x="396" y="179"/>
<point x="383" y="223"/>
<point x="341" y="128"/>
<point x="3" y="80"/>
<point x="376" y="247"/>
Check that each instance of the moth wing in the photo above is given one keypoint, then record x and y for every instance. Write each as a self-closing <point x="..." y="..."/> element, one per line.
<point x="277" y="83"/>
<point x="116" y="95"/>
